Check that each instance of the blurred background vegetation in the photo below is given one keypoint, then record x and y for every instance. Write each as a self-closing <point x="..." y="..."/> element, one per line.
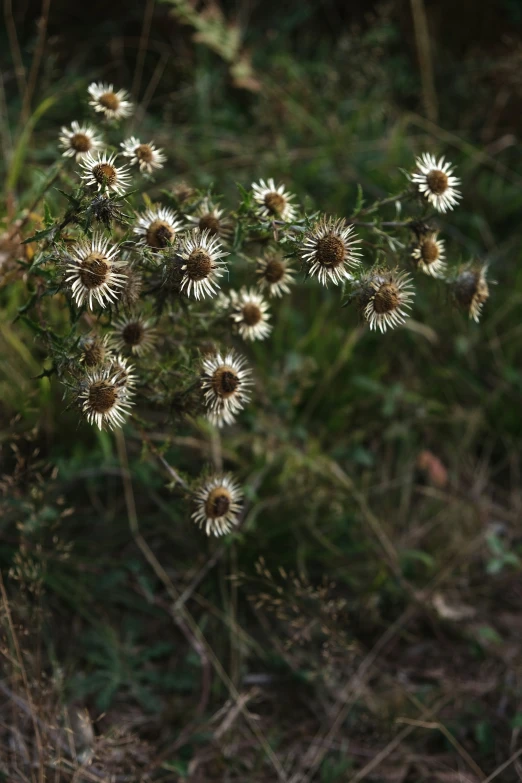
<point x="364" y="623"/>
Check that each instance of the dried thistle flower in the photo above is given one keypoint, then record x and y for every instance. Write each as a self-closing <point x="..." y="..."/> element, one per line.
<point x="131" y="290"/>
<point x="225" y="382"/>
<point x="384" y="298"/>
<point x="158" y="227"/>
<point x="471" y="290"/>
<point x="274" y="201"/>
<point x="202" y="263"/>
<point x="78" y="140"/>
<point x="104" y="401"/>
<point x="91" y="270"/>
<point x="329" y="250"/>
<point x="274" y="274"/>
<point x="208" y="216"/>
<point x="249" y="314"/>
<point x="429" y="254"/>
<point x="146" y="156"/>
<point x="134" y="333"/>
<point x="102" y="173"/>
<point x="182" y="192"/>
<point x="218" y="503"/>
<point x="436" y="182"/>
<point x="114" y="105"/>
<point x="95" y="350"/>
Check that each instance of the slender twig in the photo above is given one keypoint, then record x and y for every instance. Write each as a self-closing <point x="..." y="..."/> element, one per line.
<point x="145" y="32"/>
<point x="25" y="680"/>
<point x="37" y="58"/>
<point x="14" y="46"/>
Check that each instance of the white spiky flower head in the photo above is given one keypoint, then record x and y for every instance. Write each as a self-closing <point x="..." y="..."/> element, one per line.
<point x="105" y="402"/>
<point x="123" y="372"/>
<point x="274" y="274"/>
<point x="202" y="266"/>
<point x="208" y="216"/>
<point x="218" y="504"/>
<point x="471" y="289"/>
<point x="134" y="333"/>
<point x="225" y="382"/>
<point x="104" y="99"/>
<point x="78" y="140"/>
<point x="436" y="182"/>
<point x="146" y="156"/>
<point x="102" y="173"/>
<point x="249" y="314"/>
<point x="385" y="298"/>
<point x="274" y="201"/>
<point x="92" y="269"/>
<point x="158" y="227"/>
<point x="429" y="253"/>
<point x="329" y="250"/>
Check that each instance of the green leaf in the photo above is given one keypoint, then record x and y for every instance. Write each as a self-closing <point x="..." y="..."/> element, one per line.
<point x="39" y="235"/>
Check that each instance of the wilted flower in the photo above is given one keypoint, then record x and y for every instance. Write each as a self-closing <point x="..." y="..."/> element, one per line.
<point x="104" y="401"/>
<point x="218" y="503"/>
<point x="78" y="140"/>
<point x="275" y="274"/>
<point x="101" y="172"/>
<point x="385" y="297"/>
<point x="114" y="105"/>
<point x="202" y="264"/>
<point x="471" y="290"/>
<point x="249" y="314"/>
<point x="436" y="182"/>
<point x="274" y="201"/>
<point x="329" y="250"/>
<point x="208" y="216"/>
<point x="134" y="333"/>
<point x="91" y="270"/>
<point x="429" y="254"/>
<point x="145" y="155"/>
<point x="158" y="227"/>
<point x="94" y="350"/>
<point x="225" y="382"/>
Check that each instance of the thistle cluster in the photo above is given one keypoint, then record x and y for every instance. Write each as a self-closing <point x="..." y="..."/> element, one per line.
<point x="150" y="281"/>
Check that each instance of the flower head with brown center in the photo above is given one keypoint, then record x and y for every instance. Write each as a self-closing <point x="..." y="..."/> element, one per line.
<point x="249" y="314"/>
<point x="208" y="217"/>
<point x="385" y="298"/>
<point x="91" y="269"/>
<point x="274" y="274"/>
<point x="158" y="228"/>
<point x="225" y="382"/>
<point x="218" y="503"/>
<point x="113" y="105"/>
<point x="202" y="257"/>
<point x="471" y="290"/>
<point x="134" y="333"/>
<point x="78" y="140"/>
<point x="104" y="401"/>
<point x="274" y="201"/>
<point x="436" y="182"/>
<point x="102" y="173"/>
<point x="95" y="350"/>
<point x="329" y="250"/>
<point x="146" y="156"/>
<point x="428" y="254"/>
